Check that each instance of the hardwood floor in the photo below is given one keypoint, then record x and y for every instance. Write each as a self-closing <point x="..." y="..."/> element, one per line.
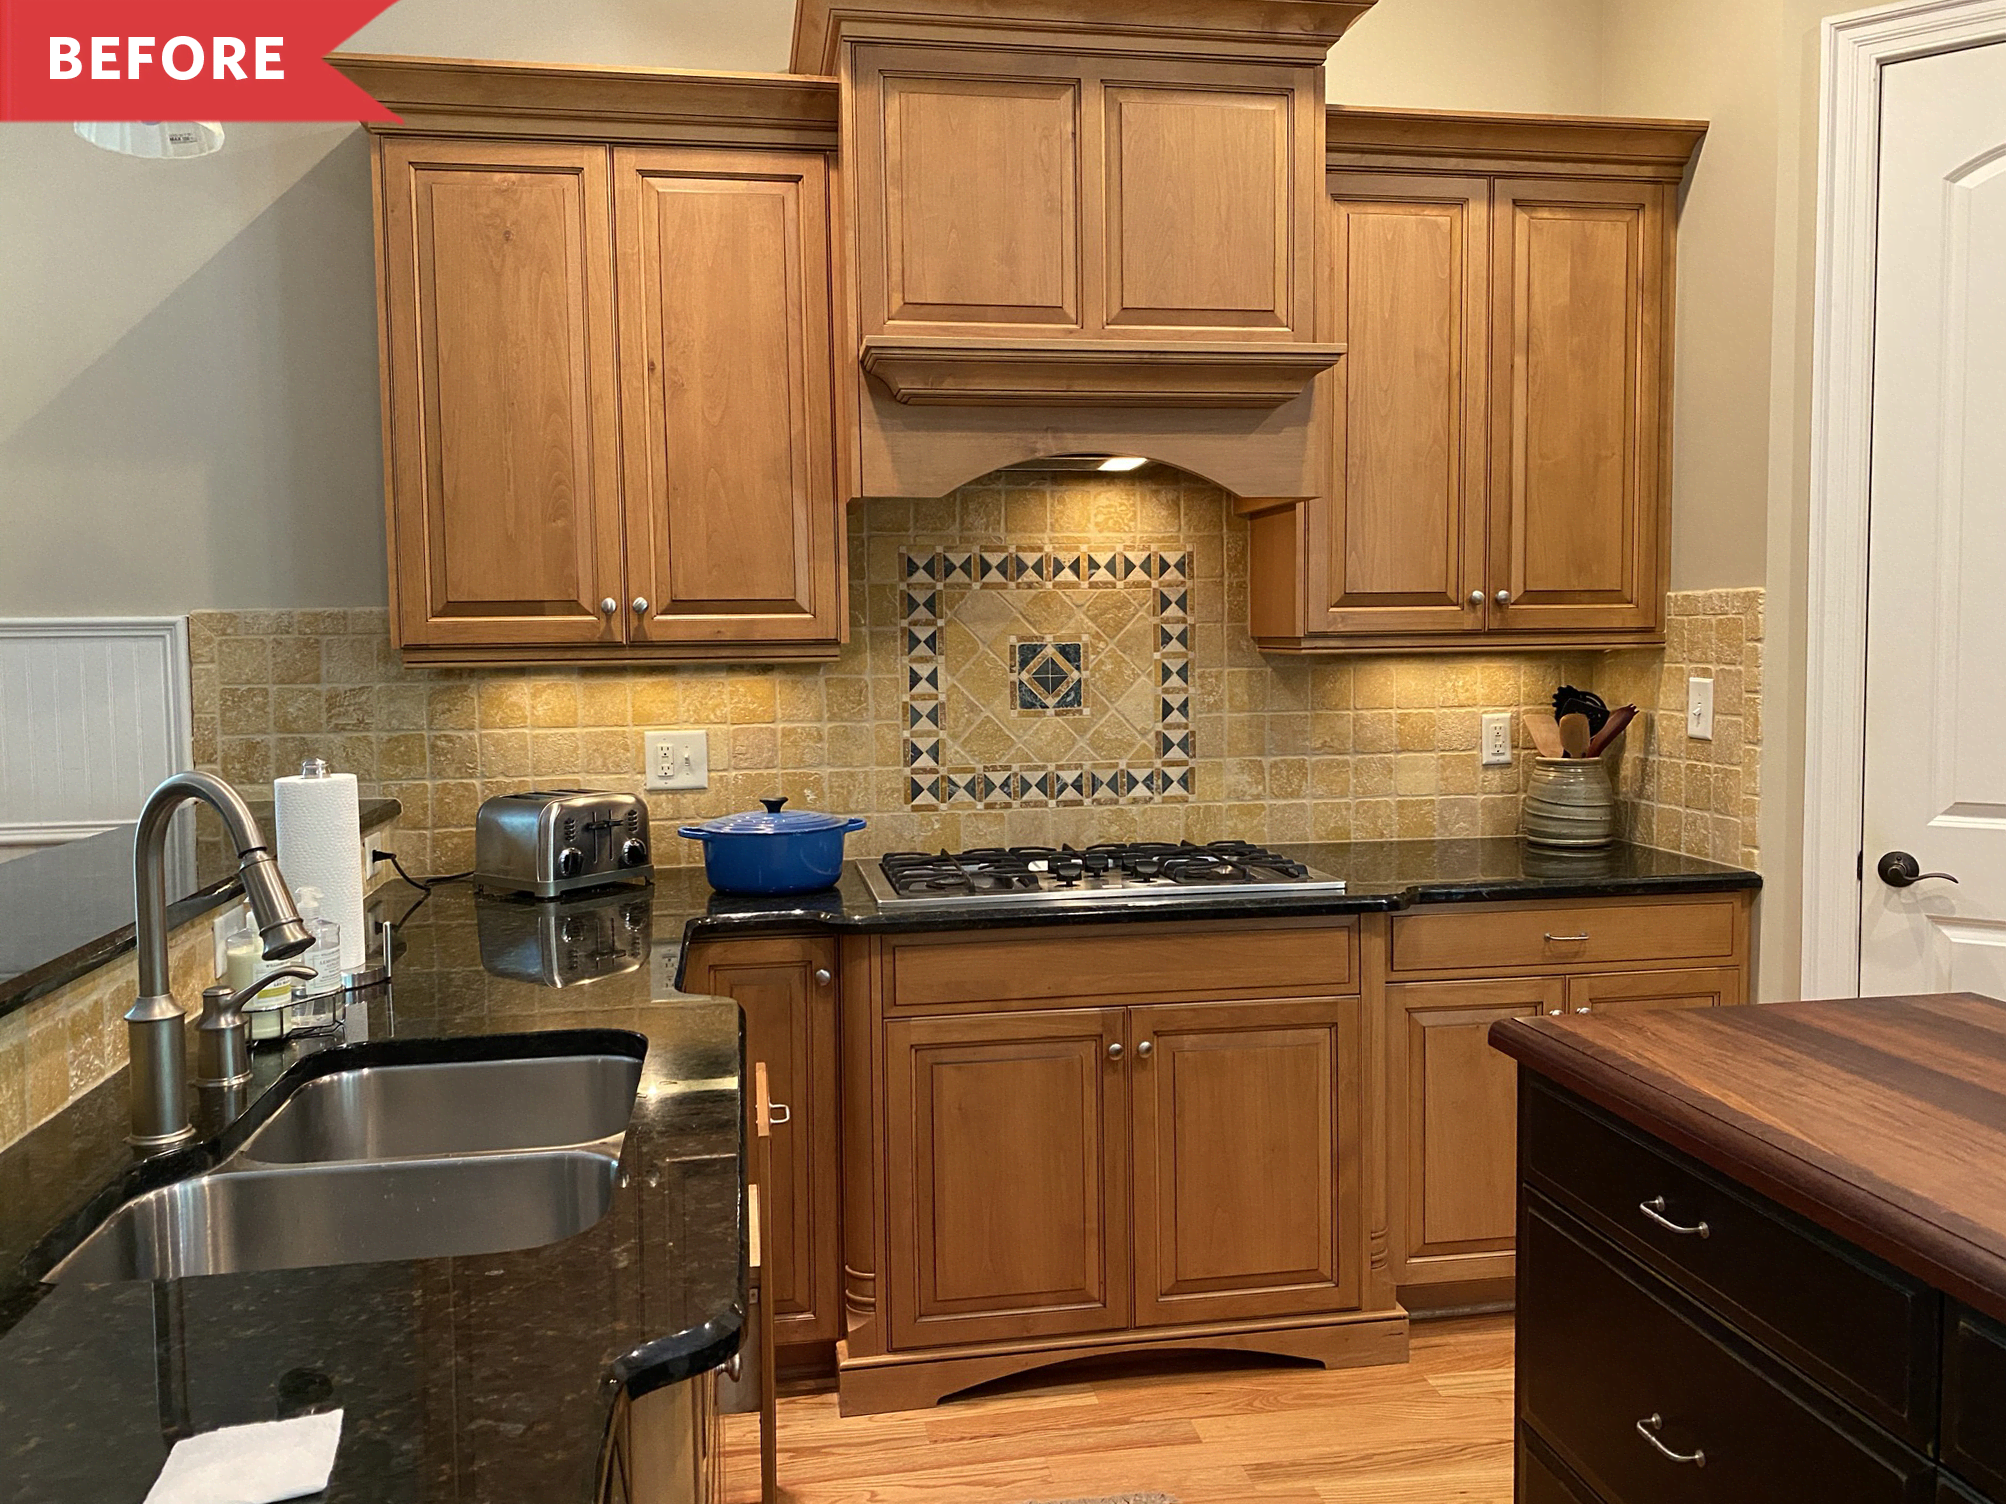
<point x="1434" y="1430"/>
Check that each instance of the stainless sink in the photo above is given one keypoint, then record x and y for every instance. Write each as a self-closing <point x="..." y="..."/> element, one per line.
<point x="232" y="1220"/>
<point x="389" y="1162"/>
<point x="455" y="1107"/>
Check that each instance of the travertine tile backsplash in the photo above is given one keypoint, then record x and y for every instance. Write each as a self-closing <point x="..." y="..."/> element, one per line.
<point x="1088" y="628"/>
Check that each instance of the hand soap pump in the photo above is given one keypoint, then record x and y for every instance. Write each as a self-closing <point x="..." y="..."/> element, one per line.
<point x="313" y="1001"/>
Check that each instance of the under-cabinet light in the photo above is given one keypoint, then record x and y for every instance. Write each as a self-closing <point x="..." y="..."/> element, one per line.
<point x="1124" y="462"/>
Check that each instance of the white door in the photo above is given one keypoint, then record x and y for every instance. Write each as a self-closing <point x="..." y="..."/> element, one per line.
<point x="1936" y="614"/>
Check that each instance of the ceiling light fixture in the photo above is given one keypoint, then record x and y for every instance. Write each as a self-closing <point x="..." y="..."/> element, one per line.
<point x="1119" y="462"/>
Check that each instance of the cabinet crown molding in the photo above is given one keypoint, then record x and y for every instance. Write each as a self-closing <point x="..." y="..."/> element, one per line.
<point x="569" y="101"/>
<point x="948" y="371"/>
<point x="1382" y="140"/>
<point x="1302" y="29"/>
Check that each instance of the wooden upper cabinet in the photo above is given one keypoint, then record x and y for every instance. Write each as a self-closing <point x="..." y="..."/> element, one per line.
<point x="1401" y="546"/>
<point x="1237" y="1141"/>
<point x="725" y="395"/>
<point x="1498" y="428"/>
<point x="1006" y="1153"/>
<point x="498" y="371"/>
<point x="1579" y="337"/>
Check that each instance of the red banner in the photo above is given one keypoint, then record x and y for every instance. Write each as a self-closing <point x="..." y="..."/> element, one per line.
<point x="180" y="60"/>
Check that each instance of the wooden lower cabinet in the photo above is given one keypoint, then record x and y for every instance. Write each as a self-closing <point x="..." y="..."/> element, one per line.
<point x="1452" y="1131"/>
<point x="1616" y="993"/>
<point x="1237" y="1137"/>
<point x="787" y="989"/>
<point x="1006" y="1193"/>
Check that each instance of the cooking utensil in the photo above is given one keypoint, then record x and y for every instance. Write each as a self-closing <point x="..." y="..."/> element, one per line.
<point x="1574" y="733"/>
<point x="773" y="850"/>
<point x="1545" y="733"/>
<point x="1567" y="699"/>
<point x="1618" y="722"/>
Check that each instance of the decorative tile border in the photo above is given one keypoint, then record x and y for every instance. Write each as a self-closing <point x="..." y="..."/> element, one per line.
<point x="925" y="577"/>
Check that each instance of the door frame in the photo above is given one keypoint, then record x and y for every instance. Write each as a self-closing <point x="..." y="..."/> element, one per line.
<point x="1855" y="48"/>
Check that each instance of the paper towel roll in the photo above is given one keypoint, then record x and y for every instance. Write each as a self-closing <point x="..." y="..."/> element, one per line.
<point x="320" y="846"/>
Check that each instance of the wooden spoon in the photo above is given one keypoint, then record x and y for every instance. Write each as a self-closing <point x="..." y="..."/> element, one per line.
<point x="1619" y="720"/>
<point x="1545" y="733"/>
<point x="1574" y="734"/>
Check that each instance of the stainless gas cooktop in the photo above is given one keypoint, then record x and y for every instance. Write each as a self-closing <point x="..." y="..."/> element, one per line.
<point x="1133" y="871"/>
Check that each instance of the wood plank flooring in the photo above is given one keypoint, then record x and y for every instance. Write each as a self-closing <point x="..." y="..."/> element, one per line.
<point x="1435" y="1430"/>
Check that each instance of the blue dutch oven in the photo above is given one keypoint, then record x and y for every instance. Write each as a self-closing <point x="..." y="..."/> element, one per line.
<point x="773" y="850"/>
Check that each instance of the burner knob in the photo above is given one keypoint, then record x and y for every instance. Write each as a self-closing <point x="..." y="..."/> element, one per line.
<point x="634" y="854"/>
<point x="1069" y="870"/>
<point x="1095" y="861"/>
<point x="1147" y="866"/>
<point x="570" y="862"/>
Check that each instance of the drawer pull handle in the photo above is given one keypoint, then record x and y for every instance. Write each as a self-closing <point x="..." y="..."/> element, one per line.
<point x="1655" y="1210"/>
<point x="778" y="1113"/>
<point x="1649" y="1427"/>
<point x="1566" y="939"/>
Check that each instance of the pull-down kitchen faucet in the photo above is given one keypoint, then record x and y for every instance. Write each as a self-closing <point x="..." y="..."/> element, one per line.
<point x="154" y="1031"/>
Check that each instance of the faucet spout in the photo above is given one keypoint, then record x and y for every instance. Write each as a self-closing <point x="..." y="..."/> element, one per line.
<point x="154" y="1031"/>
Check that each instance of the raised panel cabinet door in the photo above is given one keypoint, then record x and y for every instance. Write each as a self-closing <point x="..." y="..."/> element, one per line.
<point x="968" y="189"/>
<point x="1207" y="227"/>
<point x="727" y="412"/>
<point x="502" y="450"/>
<point x="786" y="988"/>
<point x="1634" y="991"/>
<point x="1006" y="1176"/>
<point x="1452" y="1125"/>
<point x="1579" y="340"/>
<point x="1398" y="545"/>
<point x="1239" y="1137"/>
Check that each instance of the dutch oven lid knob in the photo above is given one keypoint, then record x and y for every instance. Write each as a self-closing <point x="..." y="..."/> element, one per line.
<point x="773" y="805"/>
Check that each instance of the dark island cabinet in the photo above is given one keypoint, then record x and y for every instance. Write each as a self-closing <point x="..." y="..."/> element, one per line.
<point x="1684" y="1340"/>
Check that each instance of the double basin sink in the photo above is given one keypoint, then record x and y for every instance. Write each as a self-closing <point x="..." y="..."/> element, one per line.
<point x="389" y="1162"/>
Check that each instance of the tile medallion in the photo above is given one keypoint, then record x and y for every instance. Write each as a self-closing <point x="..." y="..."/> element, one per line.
<point x="999" y="646"/>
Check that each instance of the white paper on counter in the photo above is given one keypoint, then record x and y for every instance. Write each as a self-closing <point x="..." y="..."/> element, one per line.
<point x="260" y="1463"/>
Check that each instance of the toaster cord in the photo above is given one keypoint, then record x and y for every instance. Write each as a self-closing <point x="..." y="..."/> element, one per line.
<point x="427" y="883"/>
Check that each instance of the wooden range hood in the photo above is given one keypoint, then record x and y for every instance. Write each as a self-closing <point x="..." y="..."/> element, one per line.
<point x="1080" y="225"/>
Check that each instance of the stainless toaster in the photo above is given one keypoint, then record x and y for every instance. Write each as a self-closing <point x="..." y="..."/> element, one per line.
<point x="555" y="841"/>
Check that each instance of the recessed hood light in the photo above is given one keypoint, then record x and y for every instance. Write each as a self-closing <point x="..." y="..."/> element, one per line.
<point x="1124" y="462"/>
<point x="1074" y="464"/>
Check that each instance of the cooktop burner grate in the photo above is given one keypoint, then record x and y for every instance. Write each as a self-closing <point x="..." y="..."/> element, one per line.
<point x="1156" y="871"/>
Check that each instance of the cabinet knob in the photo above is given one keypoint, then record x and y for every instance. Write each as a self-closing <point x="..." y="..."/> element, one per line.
<point x="640" y="605"/>
<point x="1146" y="1048"/>
<point x="1476" y="599"/>
<point x="1582" y="1010"/>
<point x="1114" y="1050"/>
<point x="1503" y="597"/>
<point x="608" y="606"/>
<point x="822" y="976"/>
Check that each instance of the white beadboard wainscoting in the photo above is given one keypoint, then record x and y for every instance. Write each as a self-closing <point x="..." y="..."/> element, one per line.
<point x="94" y="711"/>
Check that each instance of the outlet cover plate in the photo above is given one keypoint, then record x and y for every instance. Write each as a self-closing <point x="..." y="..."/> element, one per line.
<point x="677" y="760"/>
<point x="1699" y="709"/>
<point x="1497" y="739"/>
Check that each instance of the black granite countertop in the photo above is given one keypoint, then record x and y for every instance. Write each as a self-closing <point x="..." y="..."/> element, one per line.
<point x="483" y="1377"/>
<point x="1379" y="876"/>
<point x="66" y="911"/>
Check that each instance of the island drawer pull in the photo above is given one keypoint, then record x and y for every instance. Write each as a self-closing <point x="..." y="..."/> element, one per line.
<point x="1649" y="1427"/>
<point x="1581" y="939"/>
<point x="1655" y="1210"/>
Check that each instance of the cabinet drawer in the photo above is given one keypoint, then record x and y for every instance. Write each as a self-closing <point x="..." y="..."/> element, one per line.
<point x="1859" y="1327"/>
<point x="1158" y="962"/>
<point x="1622" y="1379"/>
<point x="1544" y="1478"/>
<point x="1559" y="936"/>
<point x="1974" y="1400"/>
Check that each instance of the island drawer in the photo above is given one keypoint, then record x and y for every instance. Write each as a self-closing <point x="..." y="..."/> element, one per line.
<point x="1629" y="1385"/>
<point x="1156" y="961"/>
<point x="1561" y="936"/>
<point x="1860" y="1327"/>
<point x="1974" y="1400"/>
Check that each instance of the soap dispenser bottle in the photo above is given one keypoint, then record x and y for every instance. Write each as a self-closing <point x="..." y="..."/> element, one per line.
<point x="313" y="1001"/>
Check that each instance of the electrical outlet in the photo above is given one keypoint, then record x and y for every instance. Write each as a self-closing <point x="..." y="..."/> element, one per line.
<point x="678" y="760"/>
<point x="1699" y="709"/>
<point x="664" y="961"/>
<point x="1497" y="739"/>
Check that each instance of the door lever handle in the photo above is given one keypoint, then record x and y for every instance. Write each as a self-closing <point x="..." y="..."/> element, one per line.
<point x="1900" y="870"/>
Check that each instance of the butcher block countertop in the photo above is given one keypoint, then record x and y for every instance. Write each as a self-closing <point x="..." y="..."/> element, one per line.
<point x="1881" y="1119"/>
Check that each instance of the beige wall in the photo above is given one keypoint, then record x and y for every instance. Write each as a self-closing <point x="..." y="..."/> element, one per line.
<point x="1541" y="56"/>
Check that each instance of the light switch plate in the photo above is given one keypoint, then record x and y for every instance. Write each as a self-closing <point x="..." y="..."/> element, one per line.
<point x="1497" y="739"/>
<point x="677" y="760"/>
<point x="1699" y="709"/>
